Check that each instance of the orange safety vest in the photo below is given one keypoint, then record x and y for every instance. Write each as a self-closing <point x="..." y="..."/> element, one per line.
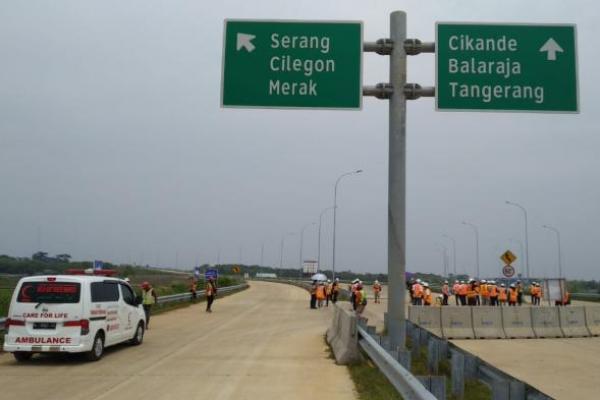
<point x="321" y="293"/>
<point x="462" y="290"/>
<point x="471" y="292"/>
<point x="377" y="288"/>
<point x="455" y="288"/>
<point x="329" y="289"/>
<point x="493" y="291"/>
<point x="484" y="290"/>
<point x="428" y="297"/>
<point x="513" y="295"/>
<point x="417" y="290"/>
<point x="502" y="294"/>
<point x="566" y="297"/>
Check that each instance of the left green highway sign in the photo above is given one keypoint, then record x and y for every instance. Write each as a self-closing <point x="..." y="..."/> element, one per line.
<point x="292" y="64"/>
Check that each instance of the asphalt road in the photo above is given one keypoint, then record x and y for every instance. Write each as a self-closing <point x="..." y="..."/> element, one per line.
<point x="263" y="343"/>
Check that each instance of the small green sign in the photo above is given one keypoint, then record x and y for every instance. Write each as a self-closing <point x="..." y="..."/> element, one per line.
<point x="292" y="64"/>
<point x="506" y="67"/>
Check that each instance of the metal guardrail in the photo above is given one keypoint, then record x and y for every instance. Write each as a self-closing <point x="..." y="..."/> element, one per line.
<point x="586" y="296"/>
<point x="405" y="383"/>
<point x="173" y="298"/>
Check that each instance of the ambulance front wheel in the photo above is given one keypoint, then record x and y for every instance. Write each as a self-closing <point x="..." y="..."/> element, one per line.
<point x="22" y="355"/>
<point x="97" y="349"/>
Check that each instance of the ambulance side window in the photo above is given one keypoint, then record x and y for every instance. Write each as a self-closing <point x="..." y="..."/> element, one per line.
<point x="103" y="292"/>
<point x="128" y="296"/>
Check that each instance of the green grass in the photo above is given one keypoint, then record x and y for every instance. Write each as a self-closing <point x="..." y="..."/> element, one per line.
<point x="370" y="383"/>
<point x="5" y="295"/>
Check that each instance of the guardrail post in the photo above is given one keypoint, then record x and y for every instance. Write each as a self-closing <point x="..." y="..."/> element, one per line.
<point x="433" y="353"/>
<point x="458" y="374"/>
<point x="517" y="390"/>
<point x="438" y="387"/>
<point x="424" y="336"/>
<point x="416" y="342"/>
<point x="404" y="358"/>
<point x="470" y="366"/>
<point x="371" y="330"/>
<point x="501" y="390"/>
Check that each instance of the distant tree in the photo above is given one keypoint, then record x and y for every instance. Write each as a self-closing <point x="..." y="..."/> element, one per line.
<point x="40" y="256"/>
<point x="63" y="258"/>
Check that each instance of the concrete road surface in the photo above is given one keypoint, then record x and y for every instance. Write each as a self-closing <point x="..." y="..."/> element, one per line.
<point x="263" y="343"/>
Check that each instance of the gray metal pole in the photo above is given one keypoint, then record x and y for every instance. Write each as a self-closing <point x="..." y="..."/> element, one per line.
<point x="262" y="254"/>
<point x="281" y="253"/>
<point x="453" y="251"/>
<point x="528" y="271"/>
<point x="335" y="213"/>
<point x="476" y="230"/>
<point x="397" y="184"/>
<point x="559" y="252"/>
<point x="302" y="243"/>
<point x="319" y="244"/>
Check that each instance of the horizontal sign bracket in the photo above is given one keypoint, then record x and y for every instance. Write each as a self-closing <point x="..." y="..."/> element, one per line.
<point x="381" y="91"/>
<point x="382" y="47"/>
<point x="412" y="47"/>
<point x="413" y="91"/>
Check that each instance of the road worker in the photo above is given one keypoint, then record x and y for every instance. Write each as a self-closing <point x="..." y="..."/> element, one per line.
<point x="149" y="298"/>
<point x="519" y="287"/>
<point x="532" y="293"/>
<point x="493" y="292"/>
<point x="502" y="294"/>
<point x="313" y="295"/>
<point x="455" y="289"/>
<point x="328" y="292"/>
<point x="445" y="293"/>
<point x="485" y="296"/>
<point x="321" y="294"/>
<point x="462" y="293"/>
<point x="193" y="288"/>
<point x="427" y="296"/>
<point x="211" y="293"/>
<point x="335" y="290"/>
<point x="353" y="289"/>
<point x="377" y="291"/>
<point x="472" y="293"/>
<point x="417" y="290"/>
<point x="513" y="295"/>
<point x="539" y="294"/>
<point x="360" y="300"/>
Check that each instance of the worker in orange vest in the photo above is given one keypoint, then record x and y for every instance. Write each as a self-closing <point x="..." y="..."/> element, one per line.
<point x="472" y="293"/>
<point x="519" y="287"/>
<point x="445" y="293"/>
<point x="313" y="295"/>
<point x="532" y="293"/>
<point x="335" y="290"/>
<point x="485" y="297"/>
<point x="493" y="292"/>
<point x="462" y="293"/>
<point x="427" y="296"/>
<point x="455" y="289"/>
<point x="320" y="294"/>
<point x="377" y="291"/>
<point x="502" y="295"/>
<point x="328" y="292"/>
<point x="211" y="293"/>
<point x="417" y="290"/>
<point x="513" y="295"/>
<point x="360" y="299"/>
<point x="353" y="289"/>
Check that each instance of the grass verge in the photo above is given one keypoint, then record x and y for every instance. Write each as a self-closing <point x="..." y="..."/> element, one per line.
<point x="370" y="383"/>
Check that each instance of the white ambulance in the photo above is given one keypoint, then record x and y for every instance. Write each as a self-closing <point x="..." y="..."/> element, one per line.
<point x="72" y="314"/>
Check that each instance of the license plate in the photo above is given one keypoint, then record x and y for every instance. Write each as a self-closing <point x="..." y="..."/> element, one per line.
<point x="44" y="325"/>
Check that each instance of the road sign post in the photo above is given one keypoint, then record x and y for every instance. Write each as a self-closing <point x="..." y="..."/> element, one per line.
<point x="292" y="64"/>
<point x="506" y="67"/>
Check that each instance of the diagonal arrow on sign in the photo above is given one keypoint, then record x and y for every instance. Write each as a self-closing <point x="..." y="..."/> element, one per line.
<point x="245" y="40"/>
<point x="551" y="47"/>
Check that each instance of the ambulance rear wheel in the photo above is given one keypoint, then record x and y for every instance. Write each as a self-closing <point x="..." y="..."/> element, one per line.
<point x="97" y="349"/>
<point x="22" y="356"/>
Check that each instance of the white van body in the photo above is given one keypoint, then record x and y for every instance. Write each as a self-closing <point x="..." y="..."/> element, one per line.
<point x="72" y="314"/>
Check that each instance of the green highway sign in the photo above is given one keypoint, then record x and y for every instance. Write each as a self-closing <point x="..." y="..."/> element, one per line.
<point x="292" y="64"/>
<point x="506" y="67"/>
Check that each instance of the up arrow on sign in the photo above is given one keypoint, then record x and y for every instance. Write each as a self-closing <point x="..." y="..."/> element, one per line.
<point x="245" y="40"/>
<point x="551" y="47"/>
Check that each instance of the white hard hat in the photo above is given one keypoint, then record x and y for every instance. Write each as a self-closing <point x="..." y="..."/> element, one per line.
<point x="483" y="281"/>
<point x="425" y="284"/>
<point x="356" y="280"/>
<point x="328" y="280"/>
<point x="419" y="280"/>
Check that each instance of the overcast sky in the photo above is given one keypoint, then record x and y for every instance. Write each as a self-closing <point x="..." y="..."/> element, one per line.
<point x="113" y="145"/>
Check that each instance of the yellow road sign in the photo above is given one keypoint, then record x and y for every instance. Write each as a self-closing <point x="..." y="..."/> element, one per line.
<point x="508" y="257"/>
<point x="236" y="270"/>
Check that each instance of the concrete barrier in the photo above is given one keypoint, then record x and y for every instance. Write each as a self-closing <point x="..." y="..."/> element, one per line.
<point x="342" y="336"/>
<point x="545" y="322"/>
<point x="457" y="323"/>
<point x="429" y="318"/>
<point x="592" y="319"/>
<point x="487" y="323"/>
<point x="572" y="321"/>
<point x="517" y="322"/>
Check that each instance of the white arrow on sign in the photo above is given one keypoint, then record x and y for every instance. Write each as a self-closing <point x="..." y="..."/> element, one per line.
<point x="245" y="40"/>
<point x="551" y="47"/>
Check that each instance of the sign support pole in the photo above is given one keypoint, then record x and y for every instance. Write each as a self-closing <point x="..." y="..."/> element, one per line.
<point x="397" y="184"/>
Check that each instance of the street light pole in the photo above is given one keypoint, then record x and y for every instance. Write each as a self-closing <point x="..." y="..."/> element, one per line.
<point x="453" y="251"/>
<point x="528" y="271"/>
<point x="319" y="244"/>
<point x="358" y="171"/>
<point x="520" y="243"/>
<point x="302" y="243"/>
<point x="444" y="251"/>
<point x="559" y="253"/>
<point x="478" y="273"/>
<point x="281" y="249"/>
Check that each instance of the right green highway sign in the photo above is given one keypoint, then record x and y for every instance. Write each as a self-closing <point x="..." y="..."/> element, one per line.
<point x="506" y="67"/>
